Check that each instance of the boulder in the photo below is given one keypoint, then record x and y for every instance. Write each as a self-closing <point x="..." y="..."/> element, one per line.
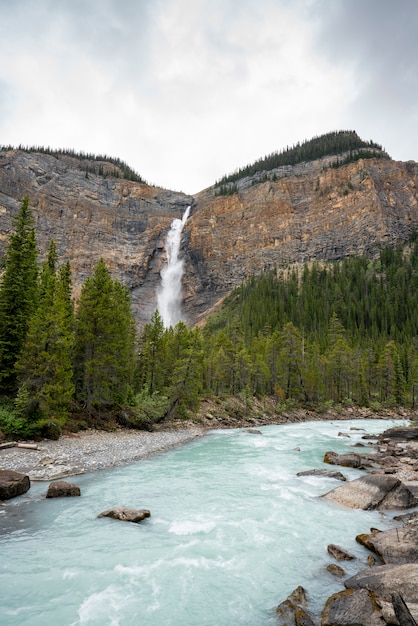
<point x="351" y="607"/>
<point x="339" y="553"/>
<point x="393" y="546"/>
<point x="62" y="489"/>
<point x="126" y="515"/>
<point x="403" y="433"/>
<point x="324" y="473"/>
<point x="13" y="484"/>
<point x="375" y="491"/>
<point x="293" y="609"/>
<point x="351" y="459"/>
<point x="335" y="570"/>
<point x="402" y="612"/>
<point x="383" y="580"/>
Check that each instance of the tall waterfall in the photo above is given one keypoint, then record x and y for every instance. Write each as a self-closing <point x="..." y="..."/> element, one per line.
<point x="169" y="294"/>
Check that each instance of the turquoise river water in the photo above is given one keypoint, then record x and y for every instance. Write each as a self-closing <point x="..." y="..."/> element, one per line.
<point x="232" y="532"/>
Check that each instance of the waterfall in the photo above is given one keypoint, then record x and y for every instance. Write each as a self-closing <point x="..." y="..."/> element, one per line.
<point x="169" y="294"/>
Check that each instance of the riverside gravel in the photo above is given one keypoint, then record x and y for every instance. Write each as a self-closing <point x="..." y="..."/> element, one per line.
<point x="91" y="450"/>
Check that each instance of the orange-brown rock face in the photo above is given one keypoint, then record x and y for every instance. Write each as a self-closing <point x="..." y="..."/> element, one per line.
<point x="313" y="214"/>
<point x="307" y="212"/>
<point x="91" y="217"/>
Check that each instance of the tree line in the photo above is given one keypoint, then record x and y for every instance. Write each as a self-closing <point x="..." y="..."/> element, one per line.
<point x="333" y="143"/>
<point x="88" y="162"/>
<point x="310" y="335"/>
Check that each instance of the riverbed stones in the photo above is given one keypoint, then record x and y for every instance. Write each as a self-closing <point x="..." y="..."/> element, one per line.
<point x="125" y="514"/>
<point x="62" y="489"/>
<point x="13" y="484"/>
<point x="373" y="492"/>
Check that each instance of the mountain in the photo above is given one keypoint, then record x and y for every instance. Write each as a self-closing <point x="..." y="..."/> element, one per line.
<point x="336" y="205"/>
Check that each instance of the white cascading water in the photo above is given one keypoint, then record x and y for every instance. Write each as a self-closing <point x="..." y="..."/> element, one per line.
<point x="169" y="294"/>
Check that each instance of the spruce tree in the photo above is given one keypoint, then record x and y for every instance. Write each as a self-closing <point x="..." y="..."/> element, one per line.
<point x="18" y="295"/>
<point x="45" y="365"/>
<point x="104" y="342"/>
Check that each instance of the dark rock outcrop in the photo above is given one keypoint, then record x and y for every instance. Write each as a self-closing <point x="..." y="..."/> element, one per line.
<point x="126" y="515"/>
<point x="403" y="433"/>
<point x="371" y="492"/>
<point x="62" y="489"/>
<point x="293" y="610"/>
<point x="339" y="553"/>
<point x="403" y="614"/>
<point x="13" y="484"/>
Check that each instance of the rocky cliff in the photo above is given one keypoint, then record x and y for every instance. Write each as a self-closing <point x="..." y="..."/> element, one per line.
<point x="308" y="211"/>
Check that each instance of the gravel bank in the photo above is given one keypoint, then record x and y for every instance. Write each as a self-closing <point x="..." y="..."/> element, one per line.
<point x="91" y="450"/>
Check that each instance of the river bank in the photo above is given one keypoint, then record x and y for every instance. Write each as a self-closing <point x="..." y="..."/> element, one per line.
<point x="89" y="450"/>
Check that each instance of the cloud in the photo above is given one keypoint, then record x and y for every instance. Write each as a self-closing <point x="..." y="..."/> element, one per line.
<point x="188" y="91"/>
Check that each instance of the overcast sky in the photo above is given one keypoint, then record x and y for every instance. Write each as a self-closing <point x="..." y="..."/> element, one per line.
<point x="186" y="91"/>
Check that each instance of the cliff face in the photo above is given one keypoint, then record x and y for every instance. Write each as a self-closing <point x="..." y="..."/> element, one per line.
<point x="91" y="217"/>
<point x="307" y="212"/>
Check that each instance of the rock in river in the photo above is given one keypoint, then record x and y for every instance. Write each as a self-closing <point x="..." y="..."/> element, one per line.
<point x="13" y="484"/>
<point x="61" y="488"/>
<point x="125" y="514"/>
<point x="373" y="492"/>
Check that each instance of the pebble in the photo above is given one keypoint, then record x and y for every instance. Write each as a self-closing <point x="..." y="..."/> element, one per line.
<point x="91" y="450"/>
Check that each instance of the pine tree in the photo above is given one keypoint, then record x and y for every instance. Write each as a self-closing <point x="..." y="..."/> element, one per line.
<point x="45" y="365"/>
<point x="104" y="343"/>
<point x="18" y="294"/>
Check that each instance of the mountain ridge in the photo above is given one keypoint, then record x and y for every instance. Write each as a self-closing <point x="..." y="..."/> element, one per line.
<point x="307" y="211"/>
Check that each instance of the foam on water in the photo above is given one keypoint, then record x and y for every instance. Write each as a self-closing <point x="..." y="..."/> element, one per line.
<point x="232" y="532"/>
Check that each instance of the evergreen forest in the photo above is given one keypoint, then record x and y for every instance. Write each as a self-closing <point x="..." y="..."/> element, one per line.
<point x="312" y="336"/>
<point x="342" y="142"/>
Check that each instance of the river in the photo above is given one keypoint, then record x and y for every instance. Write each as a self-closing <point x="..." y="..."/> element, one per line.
<point x="232" y="532"/>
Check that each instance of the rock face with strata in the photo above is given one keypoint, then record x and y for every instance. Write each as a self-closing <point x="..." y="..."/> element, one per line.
<point x="13" y="484"/>
<point x="306" y="212"/>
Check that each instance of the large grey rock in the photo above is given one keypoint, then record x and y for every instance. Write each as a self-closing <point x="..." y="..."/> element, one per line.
<point x="351" y="607"/>
<point x="404" y="433"/>
<point x="13" y="484"/>
<point x="375" y="491"/>
<point x="383" y="580"/>
<point x="62" y="489"/>
<point x="126" y="515"/>
<point x="394" y="546"/>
